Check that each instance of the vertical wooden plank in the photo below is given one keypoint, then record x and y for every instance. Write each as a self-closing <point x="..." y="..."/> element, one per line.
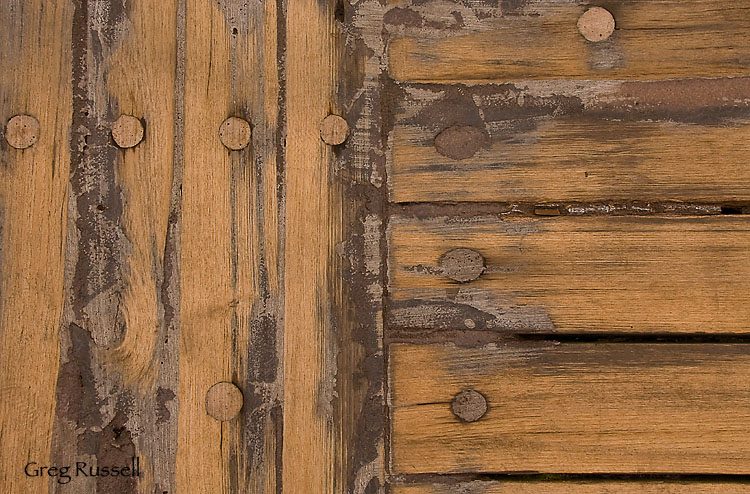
<point x="230" y="288"/>
<point x="36" y="59"/>
<point x="334" y="414"/>
<point x="118" y="376"/>
<point x="312" y="230"/>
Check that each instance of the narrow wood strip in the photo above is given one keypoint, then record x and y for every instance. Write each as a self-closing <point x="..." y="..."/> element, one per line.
<point x="573" y="274"/>
<point x="574" y="487"/>
<point x="230" y="252"/>
<point x="118" y="377"/>
<point x="579" y="160"/>
<point x="573" y="408"/>
<point x="652" y="40"/>
<point x="35" y="54"/>
<point x="655" y="141"/>
<point x="312" y="230"/>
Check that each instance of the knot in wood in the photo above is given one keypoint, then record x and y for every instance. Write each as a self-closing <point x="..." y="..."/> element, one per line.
<point x="462" y="265"/>
<point x="469" y="405"/>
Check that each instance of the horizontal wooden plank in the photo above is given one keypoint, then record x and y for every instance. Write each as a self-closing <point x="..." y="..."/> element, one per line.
<point x="656" y="141"/>
<point x="573" y="408"/>
<point x="568" y="487"/>
<point x="587" y="487"/>
<point x="653" y="39"/>
<point x="662" y="274"/>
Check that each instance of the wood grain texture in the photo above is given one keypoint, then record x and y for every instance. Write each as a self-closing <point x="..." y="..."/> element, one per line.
<point x="230" y="250"/>
<point x="34" y="46"/>
<point x="118" y="375"/>
<point x="573" y="487"/>
<point x="573" y="408"/>
<point x="656" y="141"/>
<point x="312" y="230"/>
<point x="652" y="40"/>
<point x="574" y="274"/>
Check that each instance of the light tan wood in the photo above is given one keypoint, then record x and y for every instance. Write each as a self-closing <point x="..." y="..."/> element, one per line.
<point x="118" y="374"/>
<point x="575" y="274"/>
<point x="235" y="133"/>
<point x="230" y="283"/>
<point x="573" y="487"/>
<point x="596" y="24"/>
<point x="574" y="158"/>
<point x="573" y="408"/>
<point x="334" y="130"/>
<point x="22" y="131"/>
<point x="127" y="131"/>
<point x="223" y="401"/>
<point x="312" y="231"/>
<point x="35" y="53"/>
<point x="654" y="39"/>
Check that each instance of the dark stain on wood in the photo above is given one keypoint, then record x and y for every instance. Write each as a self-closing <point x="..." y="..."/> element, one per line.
<point x="77" y="399"/>
<point x="401" y="16"/>
<point x="460" y="142"/>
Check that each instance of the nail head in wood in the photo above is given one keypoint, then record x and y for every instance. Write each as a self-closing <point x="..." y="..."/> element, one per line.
<point x="334" y="130"/>
<point x="460" y="142"/>
<point x="235" y="133"/>
<point x="127" y="131"/>
<point x="462" y="265"/>
<point x="22" y="131"/>
<point x="596" y="24"/>
<point x="223" y="401"/>
<point x="469" y="405"/>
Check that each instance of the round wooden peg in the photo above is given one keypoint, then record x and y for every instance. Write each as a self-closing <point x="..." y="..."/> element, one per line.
<point x="22" y="131"/>
<point x="462" y="265"/>
<point x="223" y="401"/>
<point x="460" y="142"/>
<point x="596" y="24"/>
<point x="127" y="131"/>
<point x="334" y="130"/>
<point x="235" y="133"/>
<point x="469" y="405"/>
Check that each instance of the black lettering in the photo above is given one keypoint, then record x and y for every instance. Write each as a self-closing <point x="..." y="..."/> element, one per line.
<point x="35" y="472"/>
<point x="64" y="477"/>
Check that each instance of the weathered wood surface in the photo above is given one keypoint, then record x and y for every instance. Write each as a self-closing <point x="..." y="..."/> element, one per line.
<point x="312" y="229"/>
<point x="656" y="274"/>
<point x="588" y="141"/>
<point x="118" y="375"/>
<point x="230" y="251"/>
<point x="36" y="58"/>
<point x="333" y="393"/>
<point x="573" y="408"/>
<point x="575" y="487"/>
<point x="540" y="40"/>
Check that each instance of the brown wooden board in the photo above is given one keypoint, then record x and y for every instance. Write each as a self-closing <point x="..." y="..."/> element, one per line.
<point x="230" y="251"/>
<point x="573" y="408"/>
<point x="35" y="56"/>
<point x="588" y="141"/>
<point x="540" y="40"/>
<point x="575" y="487"/>
<point x="628" y="274"/>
